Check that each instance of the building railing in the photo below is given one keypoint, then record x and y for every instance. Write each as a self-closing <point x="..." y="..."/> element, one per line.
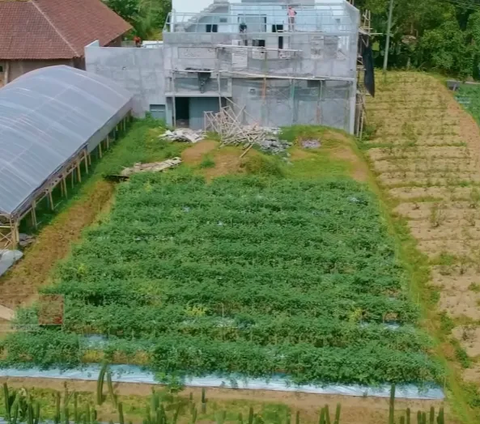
<point x="264" y="17"/>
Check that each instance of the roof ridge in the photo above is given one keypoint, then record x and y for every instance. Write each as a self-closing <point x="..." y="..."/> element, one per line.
<point x="54" y="27"/>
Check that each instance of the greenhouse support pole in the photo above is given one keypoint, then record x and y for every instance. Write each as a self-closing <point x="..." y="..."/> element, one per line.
<point x="86" y="155"/>
<point x="15" y="234"/>
<point x="64" y="184"/>
<point x="33" y="213"/>
<point x="50" y="199"/>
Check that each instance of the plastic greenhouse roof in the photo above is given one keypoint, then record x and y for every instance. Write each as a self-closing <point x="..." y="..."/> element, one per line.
<point x="47" y="117"/>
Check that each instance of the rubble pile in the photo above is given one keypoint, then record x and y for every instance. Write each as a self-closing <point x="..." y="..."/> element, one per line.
<point x="25" y="240"/>
<point x="185" y="135"/>
<point x="273" y="144"/>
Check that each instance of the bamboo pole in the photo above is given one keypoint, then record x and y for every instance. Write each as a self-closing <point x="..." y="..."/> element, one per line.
<point x="16" y="234"/>
<point x="50" y="199"/>
<point x="85" y="158"/>
<point x="33" y="213"/>
<point x="64" y="182"/>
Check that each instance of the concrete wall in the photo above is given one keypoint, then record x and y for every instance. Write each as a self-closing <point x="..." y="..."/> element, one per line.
<point x="17" y="68"/>
<point x="198" y="105"/>
<point x="322" y="55"/>
<point x="139" y="70"/>
<point x="190" y="6"/>
<point x="284" y="103"/>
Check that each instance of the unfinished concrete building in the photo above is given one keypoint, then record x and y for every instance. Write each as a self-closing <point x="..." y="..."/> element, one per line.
<point x="271" y="70"/>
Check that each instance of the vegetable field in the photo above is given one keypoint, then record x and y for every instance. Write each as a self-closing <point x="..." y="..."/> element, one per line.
<point x="248" y="275"/>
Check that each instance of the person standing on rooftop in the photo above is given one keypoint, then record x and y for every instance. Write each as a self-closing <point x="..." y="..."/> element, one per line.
<point x="291" y="12"/>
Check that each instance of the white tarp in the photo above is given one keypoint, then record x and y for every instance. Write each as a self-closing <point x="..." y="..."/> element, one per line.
<point x="135" y="374"/>
<point x="8" y="258"/>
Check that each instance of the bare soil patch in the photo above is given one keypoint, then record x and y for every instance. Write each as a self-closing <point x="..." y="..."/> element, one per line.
<point x="359" y="169"/>
<point x="226" y="159"/>
<point x="193" y="155"/>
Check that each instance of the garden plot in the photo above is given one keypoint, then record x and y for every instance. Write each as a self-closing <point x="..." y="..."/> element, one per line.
<point x="432" y="175"/>
<point x="248" y="275"/>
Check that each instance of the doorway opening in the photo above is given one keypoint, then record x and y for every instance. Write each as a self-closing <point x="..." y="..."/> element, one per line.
<point x="182" y="111"/>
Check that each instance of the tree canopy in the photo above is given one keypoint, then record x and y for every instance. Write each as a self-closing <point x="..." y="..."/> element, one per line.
<point x="438" y="35"/>
<point x="146" y="16"/>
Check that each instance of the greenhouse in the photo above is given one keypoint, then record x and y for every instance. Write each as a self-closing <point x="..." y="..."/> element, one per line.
<point x="51" y="120"/>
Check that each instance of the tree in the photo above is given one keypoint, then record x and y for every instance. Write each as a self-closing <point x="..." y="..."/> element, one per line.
<point x="430" y="34"/>
<point x="146" y="16"/>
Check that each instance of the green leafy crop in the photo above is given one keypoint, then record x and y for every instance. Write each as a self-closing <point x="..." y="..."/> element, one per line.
<point x="246" y="274"/>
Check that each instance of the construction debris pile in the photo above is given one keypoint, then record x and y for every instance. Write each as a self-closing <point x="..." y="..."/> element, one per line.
<point x="228" y="125"/>
<point x="25" y="240"/>
<point x="311" y="144"/>
<point x="271" y="143"/>
<point x="185" y="135"/>
<point x="151" y="167"/>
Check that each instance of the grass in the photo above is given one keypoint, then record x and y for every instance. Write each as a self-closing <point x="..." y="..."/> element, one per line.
<point x="207" y="162"/>
<point x="475" y="287"/>
<point x="264" y="165"/>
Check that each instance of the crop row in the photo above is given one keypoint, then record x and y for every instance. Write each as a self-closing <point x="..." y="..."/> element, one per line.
<point x="248" y="275"/>
<point x="189" y="355"/>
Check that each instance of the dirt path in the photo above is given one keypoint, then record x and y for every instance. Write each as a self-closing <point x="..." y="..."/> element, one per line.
<point x="355" y="410"/>
<point x="426" y="153"/>
<point x="53" y="243"/>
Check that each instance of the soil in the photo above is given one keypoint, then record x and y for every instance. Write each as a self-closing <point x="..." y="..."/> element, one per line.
<point x="359" y="169"/>
<point x="355" y="410"/>
<point x="428" y="161"/>
<point x="227" y="159"/>
<point x="19" y="286"/>
<point x="194" y="155"/>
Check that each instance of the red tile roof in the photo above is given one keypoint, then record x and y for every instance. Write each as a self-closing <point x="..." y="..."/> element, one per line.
<point x="55" y="29"/>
